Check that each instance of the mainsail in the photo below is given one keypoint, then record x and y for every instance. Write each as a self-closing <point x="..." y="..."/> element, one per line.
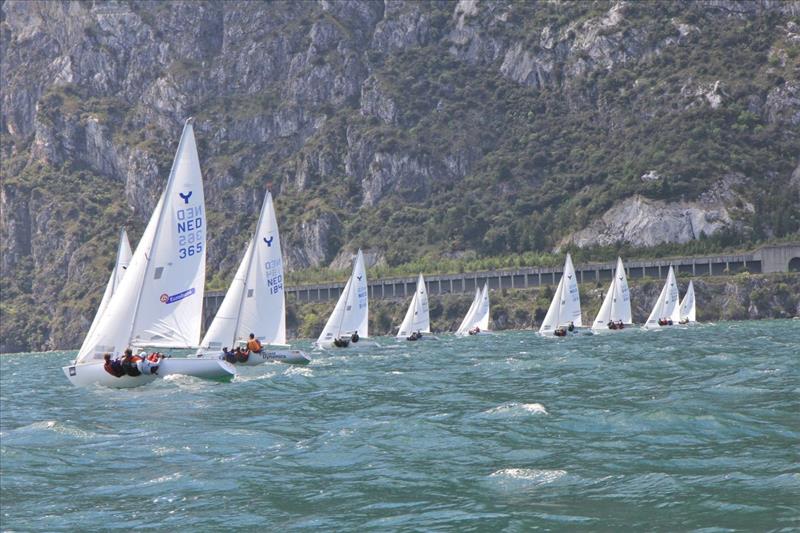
<point x="617" y="303"/>
<point x="124" y="253"/>
<point x="667" y="304"/>
<point x="566" y="304"/>
<point x="160" y="299"/>
<point x="418" y="316"/>
<point x="688" y="308"/>
<point x="351" y="313"/>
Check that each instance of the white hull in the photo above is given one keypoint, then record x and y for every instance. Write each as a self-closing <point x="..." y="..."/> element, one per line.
<point x="89" y="374"/>
<point x="290" y="357"/>
<point x="606" y="331"/>
<point x="423" y="338"/>
<point x="361" y="344"/>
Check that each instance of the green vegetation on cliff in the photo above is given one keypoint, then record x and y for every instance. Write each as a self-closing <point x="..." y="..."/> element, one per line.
<point x="438" y="135"/>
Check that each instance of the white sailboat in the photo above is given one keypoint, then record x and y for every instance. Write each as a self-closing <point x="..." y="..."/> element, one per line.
<point x="688" y="310"/>
<point x="348" y="325"/>
<point x="158" y="303"/>
<point x="564" y="314"/>
<point x="615" y="313"/>
<point x="666" y="311"/>
<point x="86" y="354"/>
<point x="255" y="302"/>
<point x="476" y="321"/>
<point x="417" y="320"/>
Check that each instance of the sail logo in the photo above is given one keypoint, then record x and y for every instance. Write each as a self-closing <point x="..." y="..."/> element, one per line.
<point x="185" y="197"/>
<point x="269" y="241"/>
<point x="359" y="278"/>
<point x="167" y="299"/>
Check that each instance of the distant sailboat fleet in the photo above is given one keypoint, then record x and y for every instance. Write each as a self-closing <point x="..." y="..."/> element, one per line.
<point x="154" y="297"/>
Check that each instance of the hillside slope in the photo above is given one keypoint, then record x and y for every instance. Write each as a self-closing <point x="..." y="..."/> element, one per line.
<point x="406" y="128"/>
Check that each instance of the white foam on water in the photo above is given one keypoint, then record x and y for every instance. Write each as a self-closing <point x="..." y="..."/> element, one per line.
<point x="298" y="371"/>
<point x="531" y="476"/>
<point x="516" y="409"/>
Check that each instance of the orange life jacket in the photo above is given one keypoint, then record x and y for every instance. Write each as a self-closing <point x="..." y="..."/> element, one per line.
<point x="254" y="345"/>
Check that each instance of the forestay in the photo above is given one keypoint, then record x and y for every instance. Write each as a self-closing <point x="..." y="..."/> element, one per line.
<point x="418" y="316"/>
<point x="123" y="259"/>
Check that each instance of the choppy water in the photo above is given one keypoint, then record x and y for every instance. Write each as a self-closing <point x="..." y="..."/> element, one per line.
<point x="670" y="430"/>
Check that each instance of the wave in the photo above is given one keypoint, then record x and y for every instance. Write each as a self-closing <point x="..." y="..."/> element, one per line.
<point x="518" y="409"/>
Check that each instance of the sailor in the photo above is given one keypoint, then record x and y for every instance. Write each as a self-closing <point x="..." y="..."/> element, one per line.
<point x="229" y="355"/>
<point x="354" y="337"/>
<point x="243" y="355"/>
<point x="254" y="345"/>
<point x="560" y="332"/>
<point x="147" y="365"/>
<point x="129" y="363"/>
<point x="571" y="326"/>
<point x="113" y="367"/>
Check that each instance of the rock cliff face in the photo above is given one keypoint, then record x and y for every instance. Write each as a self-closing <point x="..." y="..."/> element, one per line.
<point x="401" y="127"/>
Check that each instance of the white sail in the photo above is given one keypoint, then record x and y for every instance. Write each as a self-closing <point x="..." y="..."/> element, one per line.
<point x="160" y="299"/>
<point x="222" y="331"/>
<point x="667" y="304"/>
<point x="466" y="324"/>
<point x="112" y="333"/>
<point x="688" y="308"/>
<point x="566" y="304"/>
<point x="617" y="303"/>
<point x="550" y="322"/>
<point x="170" y="307"/>
<point x="478" y="313"/>
<point x="263" y="305"/>
<point x="124" y="253"/>
<point x="351" y="313"/>
<point x="418" y="316"/>
<point x="481" y="318"/>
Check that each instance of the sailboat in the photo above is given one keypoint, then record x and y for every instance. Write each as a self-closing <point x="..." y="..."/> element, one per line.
<point x="255" y="302"/>
<point x="476" y="321"/>
<point x="564" y="314"/>
<point x="688" y="310"/>
<point x="665" y="312"/>
<point x="348" y="325"/>
<point x="615" y="313"/>
<point x="417" y="320"/>
<point x="159" y="301"/>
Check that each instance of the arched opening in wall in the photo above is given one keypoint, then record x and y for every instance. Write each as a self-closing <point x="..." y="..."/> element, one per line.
<point x="794" y="265"/>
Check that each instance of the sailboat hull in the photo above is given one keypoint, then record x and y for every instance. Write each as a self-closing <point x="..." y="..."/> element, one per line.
<point x="290" y="357"/>
<point x="353" y="346"/>
<point x="89" y="374"/>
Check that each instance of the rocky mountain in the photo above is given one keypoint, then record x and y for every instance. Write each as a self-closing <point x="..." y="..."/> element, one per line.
<point x="407" y="128"/>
